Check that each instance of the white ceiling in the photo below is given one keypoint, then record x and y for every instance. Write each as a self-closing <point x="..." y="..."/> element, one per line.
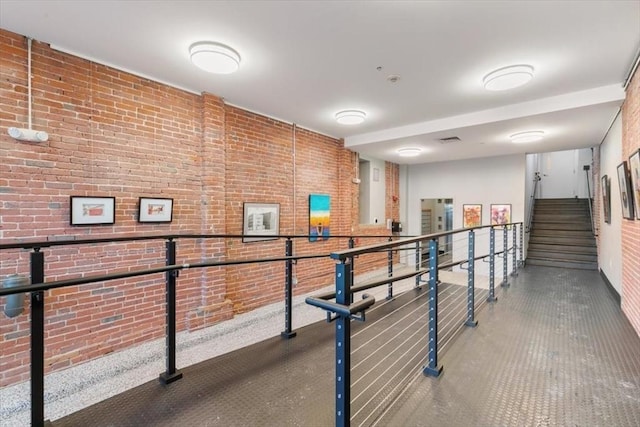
<point x="302" y="61"/>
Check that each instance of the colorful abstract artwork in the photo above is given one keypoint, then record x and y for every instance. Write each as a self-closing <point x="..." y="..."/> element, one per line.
<point x="471" y="216"/>
<point x="319" y="216"/>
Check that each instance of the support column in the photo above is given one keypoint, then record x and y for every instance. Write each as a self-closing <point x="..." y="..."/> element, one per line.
<point x="171" y="374"/>
<point x="37" y="340"/>
<point x="343" y="348"/>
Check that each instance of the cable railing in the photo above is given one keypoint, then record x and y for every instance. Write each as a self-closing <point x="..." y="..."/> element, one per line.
<point x="437" y="312"/>
<point x="532" y="201"/>
<point x="40" y="291"/>
<point x="593" y="227"/>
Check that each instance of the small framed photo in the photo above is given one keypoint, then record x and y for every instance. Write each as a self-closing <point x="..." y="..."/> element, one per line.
<point x="261" y="220"/>
<point x="626" y="197"/>
<point x="155" y="210"/>
<point x="634" y="170"/>
<point x="500" y="214"/>
<point x="92" y="210"/>
<point x="471" y="216"/>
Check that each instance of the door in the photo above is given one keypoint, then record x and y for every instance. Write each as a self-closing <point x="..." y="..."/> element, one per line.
<point x="559" y="175"/>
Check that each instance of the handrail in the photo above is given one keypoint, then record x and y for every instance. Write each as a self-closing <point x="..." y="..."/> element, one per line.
<point x="593" y="228"/>
<point x="536" y="179"/>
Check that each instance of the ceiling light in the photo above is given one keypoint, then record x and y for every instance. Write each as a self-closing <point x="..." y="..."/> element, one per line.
<point x="409" y="152"/>
<point x="350" y="117"/>
<point x="528" y="136"/>
<point x="214" y="57"/>
<point x="508" y="77"/>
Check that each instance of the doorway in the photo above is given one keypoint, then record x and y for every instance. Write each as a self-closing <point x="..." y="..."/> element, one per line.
<point x="436" y="215"/>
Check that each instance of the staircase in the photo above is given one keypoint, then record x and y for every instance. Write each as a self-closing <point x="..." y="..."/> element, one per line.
<point x="561" y="235"/>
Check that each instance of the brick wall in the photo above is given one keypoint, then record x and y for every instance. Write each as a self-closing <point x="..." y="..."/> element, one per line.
<point x="631" y="229"/>
<point x="118" y="135"/>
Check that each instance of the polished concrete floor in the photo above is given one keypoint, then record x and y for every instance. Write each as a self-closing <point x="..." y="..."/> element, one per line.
<point x="554" y="350"/>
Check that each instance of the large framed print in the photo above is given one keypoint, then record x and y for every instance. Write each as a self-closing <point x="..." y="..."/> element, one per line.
<point x="634" y="171"/>
<point x="471" y="216"/>
<point x="261" y="221"/>
<point x="500" y="214"/>
<point x="319" y="217"/>
<point x="155" y="210"/>
<point x="626" y="198"/>
<point x="92" y="210"/>
<point x="606" y="199"/>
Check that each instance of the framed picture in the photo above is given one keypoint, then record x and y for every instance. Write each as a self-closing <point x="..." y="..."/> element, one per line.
<point x="471" y="216"/>
<point x="500" y="214"/>
<point x="634" y="170"/>
<point x="319" y="216"/>
<point x="261" y="220"/>
<point x="155" y="210"/>
<point x="626" y="198"/>
<point x="606" y="198"/>
<point x="92" y="210"/>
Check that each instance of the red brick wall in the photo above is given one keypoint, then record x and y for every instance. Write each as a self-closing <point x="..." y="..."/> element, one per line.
<point x="631" y="229"/>
<point x="115" y="134"/>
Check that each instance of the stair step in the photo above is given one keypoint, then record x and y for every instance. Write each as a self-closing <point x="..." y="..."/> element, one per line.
<point x="578" y="234"/>
<point x="568" y="241"/>
<point x="563" y="248"/>
<point x="564" y="256"/>
<point x="570" y="226"/>
<point x="562" y="264"/>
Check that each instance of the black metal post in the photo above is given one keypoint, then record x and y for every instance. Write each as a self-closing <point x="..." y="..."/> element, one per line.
<point x="505" y="257"/>
<point x="343" y="348"/>
<point x="171" y="374"/>
<point x="37" y="340"/>
<point x="418" y="263"/>
<point x="390" y="272"/>
<point x="432" y="368"/>
<point x="514" y="272"/>
<point x="352" y="244"/>
<point x="492" y="264"/>
<point x="470" y="282"/>
<point x="288" y="291"/>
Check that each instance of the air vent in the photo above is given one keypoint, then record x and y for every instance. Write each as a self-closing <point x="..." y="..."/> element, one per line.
<point x="449" y="139"/>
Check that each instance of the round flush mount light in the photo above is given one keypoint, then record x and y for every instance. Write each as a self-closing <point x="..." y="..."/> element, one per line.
<point x="528" y="136"/>
<point x="508" y="77"/>
<point x="350" y="117"/>
<point x="214" y="57"/>
<point x="409" y="152"/>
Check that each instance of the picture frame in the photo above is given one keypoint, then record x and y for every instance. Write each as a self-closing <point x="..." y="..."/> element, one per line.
<point x="500" y="214"/>
<point x="261" y="221"/>
<point x="606" y="198"/>
<point x="471" y="216"/>
<point x="319" y="217"/>
<point x="155" y="210"/>
<point x="626" y="197"/>
<point x="92" y="210"/>
<point x="634" y="171"/>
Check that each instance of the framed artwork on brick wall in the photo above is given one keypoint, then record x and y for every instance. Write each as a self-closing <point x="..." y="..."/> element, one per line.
<point x="626" y="198"/>
<point x="319" y="216"/>
<point x="634" y="171"/>
<point x="155" y="210"/>
<point x="606" y="199"/>
<point x="92" y="210"/>
<point x="261" y="221"/>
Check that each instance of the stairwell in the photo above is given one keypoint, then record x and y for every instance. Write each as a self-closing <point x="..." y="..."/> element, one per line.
<point x="561" y="235"/>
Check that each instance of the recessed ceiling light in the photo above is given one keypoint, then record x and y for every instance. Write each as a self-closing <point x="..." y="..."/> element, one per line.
<point x="508" y="77"/>
<point x="528" y="136"/>
<point x="409" y="151"/>
<point x="350" y="117"/>
<point x="214" y="57"/>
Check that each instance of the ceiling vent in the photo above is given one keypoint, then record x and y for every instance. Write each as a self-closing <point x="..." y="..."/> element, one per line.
<point x="449" y="140"/>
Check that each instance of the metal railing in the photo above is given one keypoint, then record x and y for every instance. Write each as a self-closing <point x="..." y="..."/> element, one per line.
<point x="586" y="169"/>
<point x="532" y="201"/>
<point x="344" y="310"/>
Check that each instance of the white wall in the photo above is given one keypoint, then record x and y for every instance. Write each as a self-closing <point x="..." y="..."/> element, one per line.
<point x="610" y="250"/>
<point x="493" y="180"/>
<point x="563" y="175"/>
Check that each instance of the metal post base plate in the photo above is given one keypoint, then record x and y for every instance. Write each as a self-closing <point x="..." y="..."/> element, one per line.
<point x="288" y="335"/>
<point x="432" y="372"/>
<point x="168" y="379"/>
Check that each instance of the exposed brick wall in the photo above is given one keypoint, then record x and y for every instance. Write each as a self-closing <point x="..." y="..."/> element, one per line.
<point x="115" y="134"/>
<point x="631" y="229"/>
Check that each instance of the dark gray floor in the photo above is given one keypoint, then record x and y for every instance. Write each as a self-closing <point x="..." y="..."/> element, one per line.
<point x="554" y="350"/>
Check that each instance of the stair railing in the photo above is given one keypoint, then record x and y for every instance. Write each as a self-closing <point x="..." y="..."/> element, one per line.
<point x="536" y="179"/>
<point x="593" y="228"/>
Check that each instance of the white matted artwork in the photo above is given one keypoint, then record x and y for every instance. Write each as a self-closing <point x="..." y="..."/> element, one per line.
<point x="155" y="210"/>
<point x="92" y="210"/>
<point x="261" y="221"/>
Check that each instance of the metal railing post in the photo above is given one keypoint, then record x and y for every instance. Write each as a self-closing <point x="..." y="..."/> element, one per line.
<point x="492" y="264"/>
<point x="37" y="340"/>
<point x="505" y="257"/>
<point x="514" y="271"/>
<point x="521" y="262"/>
<point x="343" y="347"/>
<point x="352" y="244"/>
<point x="418" y="263"/>
<point x="288" y="291"/>
<point x="470" y="282"/>
<point x="171" y="374"/>
<point x="432" y="368"/>
<point x="390" y="272"/>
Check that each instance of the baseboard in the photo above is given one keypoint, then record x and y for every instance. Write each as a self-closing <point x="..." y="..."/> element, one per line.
<point x="613" y="290"/>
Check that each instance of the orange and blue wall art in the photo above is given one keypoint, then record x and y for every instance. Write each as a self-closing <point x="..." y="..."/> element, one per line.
<point x="319" y="216"/>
